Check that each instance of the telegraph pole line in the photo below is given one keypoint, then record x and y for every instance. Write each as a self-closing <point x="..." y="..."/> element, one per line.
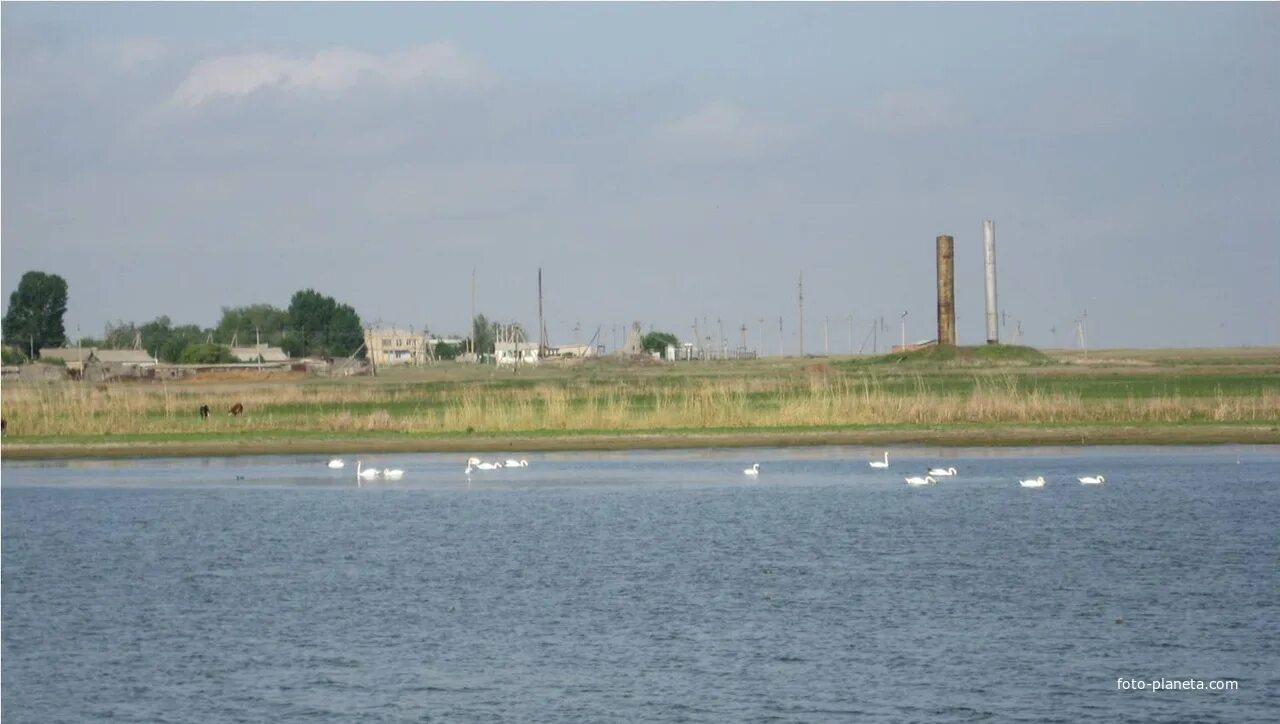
<point x="801" y="288"/>
<point x="473" y="310"/>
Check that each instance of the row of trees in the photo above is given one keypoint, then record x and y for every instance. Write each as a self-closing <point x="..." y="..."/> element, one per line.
<point x="314" y="324"/>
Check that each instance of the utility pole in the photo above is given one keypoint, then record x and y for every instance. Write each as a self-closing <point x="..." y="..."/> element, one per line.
<point x="473" y="311"/>
<point x="801" y="287"/>
<point x="1084" y="332"/>
<point x="697" y="336"/>
<point x="780" y="351"/>
<point x="542" y="325"/>
<point x="744" y="340"/>
<point x="904" y="331"/>
<point x="720" y="325"/>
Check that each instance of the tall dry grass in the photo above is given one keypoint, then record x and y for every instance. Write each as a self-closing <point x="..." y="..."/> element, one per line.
<point x="814" y="400"/>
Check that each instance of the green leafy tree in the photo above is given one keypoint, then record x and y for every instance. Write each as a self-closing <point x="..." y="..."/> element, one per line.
<point x="120" y="335"/>
<point x="205" y="353"/>
<point x="249" y="323"/>
<point x="446" y="351"/>
<point x="485" y="334"/>
<point x="319" y="325"/>
<point x="36" y="309"/>
<point x="658" y="341"/>
<point x="13" y="355"/>
<point x="178" y="340"/>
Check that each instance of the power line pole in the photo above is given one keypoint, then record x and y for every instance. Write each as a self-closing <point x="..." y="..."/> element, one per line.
<point x="473" y="310"/>
<point x="720" y="326"/>
<point x="801" y="288"/>
<point x="542" y="325"/>
<point x="780" y="351"/>
<point x="904" y="331"/>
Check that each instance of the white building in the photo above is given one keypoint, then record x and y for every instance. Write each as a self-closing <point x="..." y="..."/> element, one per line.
<point x="390" y="347"/>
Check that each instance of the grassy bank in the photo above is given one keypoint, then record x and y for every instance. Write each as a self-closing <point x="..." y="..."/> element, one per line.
<point x="965" y="398"/>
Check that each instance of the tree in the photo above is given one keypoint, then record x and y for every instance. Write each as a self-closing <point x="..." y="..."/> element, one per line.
<point x="658" y="341"/>
<point x="205" y="353"/>
<point x="35" y="313"/>
<point x="319" y="325"/>
<point x="248" y="324"/>
<point x="483" y="330"/>
<point x="446" y="351"/>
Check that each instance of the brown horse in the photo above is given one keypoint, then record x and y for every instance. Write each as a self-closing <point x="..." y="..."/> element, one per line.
<point x="237" y="408"/>
<point x="204" y="411"/>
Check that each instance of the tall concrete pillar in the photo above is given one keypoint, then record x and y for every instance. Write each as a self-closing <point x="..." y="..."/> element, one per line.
<point x="946" y="291"/>
<point x="989" y="246"/>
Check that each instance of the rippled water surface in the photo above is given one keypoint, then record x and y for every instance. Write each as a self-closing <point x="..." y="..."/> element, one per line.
<point x="644" y="587"/>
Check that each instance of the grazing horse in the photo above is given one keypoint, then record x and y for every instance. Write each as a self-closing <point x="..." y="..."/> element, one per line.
<point x="237" y="408"/>
<point x="204" y="411"/>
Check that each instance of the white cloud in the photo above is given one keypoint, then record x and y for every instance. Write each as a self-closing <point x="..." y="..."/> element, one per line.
<point x="912" y="109"/>
<point x="131" y="53"/>
<point x="329" y="71"/>
<point x="718" y="130"/>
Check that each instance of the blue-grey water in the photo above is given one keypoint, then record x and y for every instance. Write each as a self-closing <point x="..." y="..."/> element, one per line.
<point x="644" y="586"/>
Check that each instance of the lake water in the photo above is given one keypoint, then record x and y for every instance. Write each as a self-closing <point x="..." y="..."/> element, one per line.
<point x="645" y="586"/>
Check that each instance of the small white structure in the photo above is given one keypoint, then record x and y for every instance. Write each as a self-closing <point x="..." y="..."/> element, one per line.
<point x="260" y="353"/>
<point x="512" y="353"/>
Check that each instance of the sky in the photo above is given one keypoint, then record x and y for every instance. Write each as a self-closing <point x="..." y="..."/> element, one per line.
<point x="660" y="162"/>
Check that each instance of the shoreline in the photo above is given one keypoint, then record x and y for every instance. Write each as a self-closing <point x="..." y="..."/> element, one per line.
<point x="1262" y="434"/>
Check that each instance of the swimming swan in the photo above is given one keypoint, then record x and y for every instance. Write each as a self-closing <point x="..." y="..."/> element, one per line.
<point x="336" y="463"/>
<point x="927" y="480"/>
<point x="516" y="464"/>
<point x="1037" y="482"/>
<point x="1092" y="481"/>
<point x="941" y="472"/>
<point x="390" y="474"/>
<point x="753" y="471"/>
<point x="879" y="464"/>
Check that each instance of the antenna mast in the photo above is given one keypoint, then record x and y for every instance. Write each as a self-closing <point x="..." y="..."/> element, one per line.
<point x="542" y="325"/>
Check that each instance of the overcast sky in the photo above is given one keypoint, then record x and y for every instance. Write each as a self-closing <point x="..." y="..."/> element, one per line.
<point x="660" y="162"/>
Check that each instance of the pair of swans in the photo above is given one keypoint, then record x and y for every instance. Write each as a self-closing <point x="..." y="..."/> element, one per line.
<point x="476" y="464"/>
<point x="373" y="473"/>
<point x="1038" y="482"/>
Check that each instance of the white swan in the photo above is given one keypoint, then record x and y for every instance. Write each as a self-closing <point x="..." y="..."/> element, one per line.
<point x="390" y="474"/>
<point x="488" y="466"/>
<point x="336" y="463"/>
<point x="369" y="474"/>
<point x="516" y="464"/>
<point x="753" y="471"/>
<point x="1099" y="480"/>
<point x="879" y="464"/>
<point x="927" y="480"/>
<point x="941" y="472"/>
<point x="1037" y="482"/>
